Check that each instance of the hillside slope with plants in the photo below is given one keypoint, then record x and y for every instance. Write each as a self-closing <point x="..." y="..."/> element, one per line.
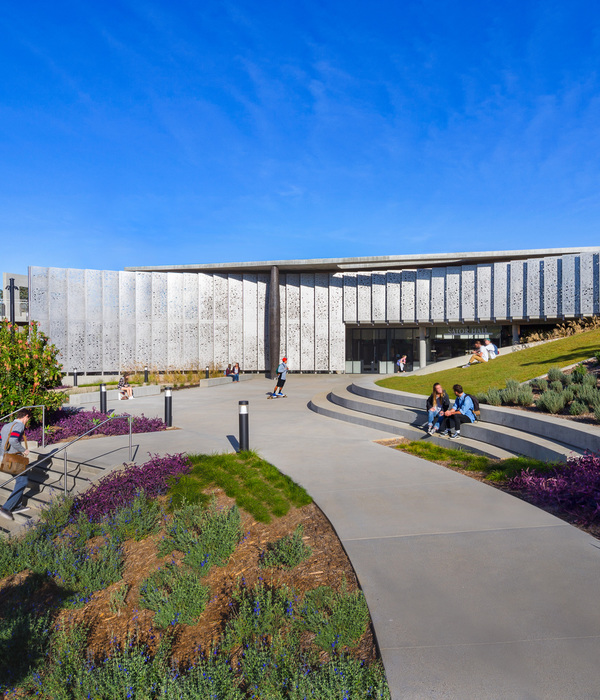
<point x="520" y="366"/>
<point x="209" y="576"/>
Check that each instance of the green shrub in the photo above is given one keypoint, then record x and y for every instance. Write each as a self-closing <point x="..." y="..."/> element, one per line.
<point x="597" y="414"/>
<point x="175" y="595"/>
<point x="29" y="368"/>
<point x="579" y="373"/>
<point x="577" y="408"/>
<point x="261" y="610"/>
<point x="590" y="380"/>
<point x="337" y="619"/>
<point x="525" y="396"/>
<point x="24" y="637"/>
<point x="551" y="402"/>
<point x="511" y="393"/>
<point x="137" y="520"/>
<point x="482" y="397"/>
<point x="566" y="379"/>
<point x="117" y="598"/>
<point x="494" y="397"/>
<point x="588" y="395"/>
<point x="541" y="384"/>
<point x="556" y="386"/>
<point x="288" y="551"/>
<point x="208" y="537"/>
<point x="555" y="375"/>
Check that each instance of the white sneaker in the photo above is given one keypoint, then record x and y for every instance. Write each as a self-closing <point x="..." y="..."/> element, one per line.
<point x="22" y="509"/>
<point x="6" y="514"/>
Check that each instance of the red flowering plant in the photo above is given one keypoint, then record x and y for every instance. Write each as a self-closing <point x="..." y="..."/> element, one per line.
<point x="28" y="368"/>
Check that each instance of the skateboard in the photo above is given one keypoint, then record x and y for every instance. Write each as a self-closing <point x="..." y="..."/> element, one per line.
<point x="277" y="396"/>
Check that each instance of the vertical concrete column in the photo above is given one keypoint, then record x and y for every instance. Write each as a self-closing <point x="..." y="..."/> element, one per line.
<point x="422" y="346"/>
<point x="516" y="329"/>
<point x="274" y="322"/>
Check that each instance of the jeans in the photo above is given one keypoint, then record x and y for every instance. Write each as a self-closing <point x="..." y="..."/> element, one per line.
<point x="432" y="414"/>
<point x="236" y="377"/>
<point x="15" y="496"/>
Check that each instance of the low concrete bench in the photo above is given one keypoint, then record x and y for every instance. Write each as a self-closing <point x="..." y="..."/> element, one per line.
<point x="113" y="394"/>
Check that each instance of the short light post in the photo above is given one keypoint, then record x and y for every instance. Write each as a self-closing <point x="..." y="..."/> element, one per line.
<point x="103" y="408"/>
<point x="168" y="407"/>
<point x="75" y="377"/>
<point x="244" y="427"/>
<point x="207" y="373"/>
<point x="145" y="375"/>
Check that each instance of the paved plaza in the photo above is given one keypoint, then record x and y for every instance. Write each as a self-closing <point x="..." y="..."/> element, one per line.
<point x="474" y="594"/>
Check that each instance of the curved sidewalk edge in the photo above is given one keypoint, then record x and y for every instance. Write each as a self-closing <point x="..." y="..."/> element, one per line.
<point x="474" y="594"/>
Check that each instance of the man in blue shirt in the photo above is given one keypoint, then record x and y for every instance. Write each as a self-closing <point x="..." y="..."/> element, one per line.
<point x="462" y="412"/>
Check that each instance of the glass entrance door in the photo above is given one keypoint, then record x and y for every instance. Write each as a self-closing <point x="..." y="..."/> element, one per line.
<point x="377" y="349"/>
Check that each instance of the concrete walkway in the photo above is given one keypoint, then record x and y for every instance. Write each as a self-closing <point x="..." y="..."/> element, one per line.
<point x="474" y="594"/>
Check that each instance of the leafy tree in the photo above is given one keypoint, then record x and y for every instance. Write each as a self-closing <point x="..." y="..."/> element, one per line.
<point x="28" y="368"/>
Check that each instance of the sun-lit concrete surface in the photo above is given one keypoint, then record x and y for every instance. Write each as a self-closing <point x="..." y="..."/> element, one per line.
<point x="473" y="594"/>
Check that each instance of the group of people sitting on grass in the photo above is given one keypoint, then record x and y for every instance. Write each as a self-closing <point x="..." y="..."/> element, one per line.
<point x="443" y="419"/>
<point x="483" y="352"/>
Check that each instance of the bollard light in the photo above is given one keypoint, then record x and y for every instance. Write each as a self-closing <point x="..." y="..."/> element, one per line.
<point x="244" y="427"/>
<point x="168" y="407"/>
<point x="75" y="377"/>
<point x="145" y="375"/>
<point x="103" y="408"/>
<point x="207" y="372"/>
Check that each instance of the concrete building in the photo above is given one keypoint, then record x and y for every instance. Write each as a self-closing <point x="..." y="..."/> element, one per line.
<point x="334" y="315"/>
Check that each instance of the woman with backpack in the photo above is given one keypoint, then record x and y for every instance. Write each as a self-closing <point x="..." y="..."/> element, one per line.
<point x="437" y="404"/>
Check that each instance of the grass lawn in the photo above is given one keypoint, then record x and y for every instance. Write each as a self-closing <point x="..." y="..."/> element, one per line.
<point x="494" y="470"/>
<point x="522" y="365"/>
<point x="257" y="486"/>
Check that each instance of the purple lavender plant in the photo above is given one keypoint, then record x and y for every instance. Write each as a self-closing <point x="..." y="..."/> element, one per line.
<point x="573" y="487"/>
<point x="65" y="424"/>
<point x="120" y="488"/>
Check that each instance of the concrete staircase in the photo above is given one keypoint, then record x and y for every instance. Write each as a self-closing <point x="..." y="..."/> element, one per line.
<point x="46" y="481"/>
<point x="502" y="432"/>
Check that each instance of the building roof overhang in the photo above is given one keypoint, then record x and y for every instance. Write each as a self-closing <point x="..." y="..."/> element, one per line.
<point x="368" y="264"/>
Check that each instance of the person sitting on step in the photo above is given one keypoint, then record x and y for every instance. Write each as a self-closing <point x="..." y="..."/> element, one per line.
<point x="437" y="403"/>
<point x="463" y="411"/>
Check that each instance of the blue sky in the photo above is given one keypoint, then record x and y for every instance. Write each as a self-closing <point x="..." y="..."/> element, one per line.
<point x="168" y="133"/>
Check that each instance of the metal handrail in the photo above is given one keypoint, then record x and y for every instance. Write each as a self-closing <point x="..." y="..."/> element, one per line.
<point x="39" y="405"/>
<point x="65" y="448"/>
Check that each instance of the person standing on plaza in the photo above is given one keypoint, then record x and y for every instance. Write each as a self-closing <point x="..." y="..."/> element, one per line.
<point x="12" y="435"/>
<point x="282" y="371"/>
<point x="402" y="363"/>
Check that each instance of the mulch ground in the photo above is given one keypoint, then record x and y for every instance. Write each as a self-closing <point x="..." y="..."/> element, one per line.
<point x="328" y="565"/>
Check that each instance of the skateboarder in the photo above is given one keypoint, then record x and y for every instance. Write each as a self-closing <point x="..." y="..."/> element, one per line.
<point x="282" y="371"/>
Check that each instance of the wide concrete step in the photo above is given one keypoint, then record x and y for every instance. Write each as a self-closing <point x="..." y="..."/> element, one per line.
<point x="347" y="399"/>
<point x="521" y="442"/>
<point x="579" y="436"/>
<point x="322" y="404"/>
<point x="499" y="435"/>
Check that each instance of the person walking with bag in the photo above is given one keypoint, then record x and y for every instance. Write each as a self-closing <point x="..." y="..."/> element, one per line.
<point x="12" y="436"/>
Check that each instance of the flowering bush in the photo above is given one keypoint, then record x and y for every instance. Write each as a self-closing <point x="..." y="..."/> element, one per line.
<point x="67" y="424"/>
<point x="120" y="488"/>
<point x="28" y="368"/>
<point x="573" y="487"/>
